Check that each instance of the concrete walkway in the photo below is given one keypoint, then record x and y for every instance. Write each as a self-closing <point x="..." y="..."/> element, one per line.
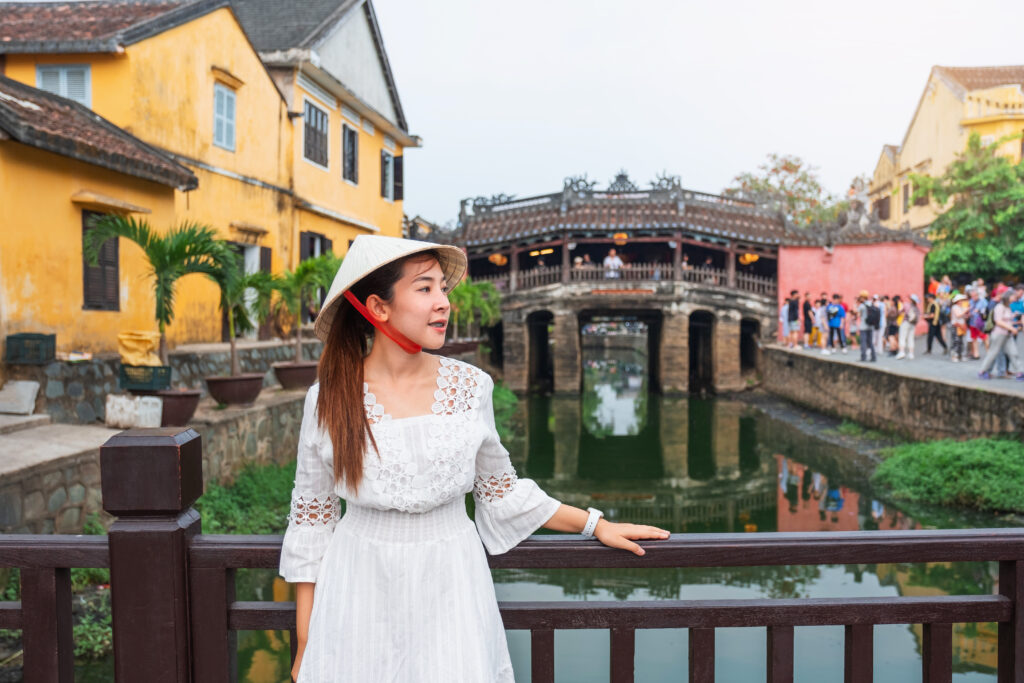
<point x="935" y="367"/>
<point x="25" y="448"/>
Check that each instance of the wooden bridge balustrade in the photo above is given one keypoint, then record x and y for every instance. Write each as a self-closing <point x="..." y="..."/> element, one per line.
<point x="175" y="612"/>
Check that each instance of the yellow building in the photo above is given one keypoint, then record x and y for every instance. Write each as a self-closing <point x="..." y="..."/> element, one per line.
<point x="288" y="165"/>
<point x="329" y="61"/>
<point x="58" y="163"/>
<point x="956" y="102"/>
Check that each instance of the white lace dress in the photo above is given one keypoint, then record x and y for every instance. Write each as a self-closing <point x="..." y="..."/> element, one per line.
<point x="403" y="590"/>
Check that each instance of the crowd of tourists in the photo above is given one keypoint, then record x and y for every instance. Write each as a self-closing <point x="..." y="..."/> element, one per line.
<point x="969" y="322"/>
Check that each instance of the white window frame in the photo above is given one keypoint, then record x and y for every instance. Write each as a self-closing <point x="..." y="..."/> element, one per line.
<point x="62" y="70"/>
<point x="228" y="94"/>
<point x="390" y="186"/>
<point x="314" y="103"/>
<point x="345" y="126"/>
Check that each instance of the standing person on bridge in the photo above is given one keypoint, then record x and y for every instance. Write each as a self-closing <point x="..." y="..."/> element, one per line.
<point x="793" y="319"/>
<point x="1003" y="330"/>
<point x="868" y="320"/>
<point x="398" y="589"/>
<point x="612" y="263"/>
<point x="836" y="318"/>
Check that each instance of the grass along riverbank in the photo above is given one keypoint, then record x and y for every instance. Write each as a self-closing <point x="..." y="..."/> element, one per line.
<point x="983" y="474"/>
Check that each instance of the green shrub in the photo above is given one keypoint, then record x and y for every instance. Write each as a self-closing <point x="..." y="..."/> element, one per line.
<point x="257" y="503"/>
<point x="505" y="404"/>
<point x="987" y="474"/>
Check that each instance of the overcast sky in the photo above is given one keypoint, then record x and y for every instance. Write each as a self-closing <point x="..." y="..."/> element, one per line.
<point x="514" y="96"/>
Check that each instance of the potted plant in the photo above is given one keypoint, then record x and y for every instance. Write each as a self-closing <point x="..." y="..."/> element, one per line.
<point x="298" y="290"/>
<point x="183" y="250"/>
<point x="243" y="297"/>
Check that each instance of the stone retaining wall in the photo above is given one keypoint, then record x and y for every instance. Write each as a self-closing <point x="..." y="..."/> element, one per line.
<point x="919" y="409"/>
<point x="77" y="392"/>
<point x="57" y="496"/>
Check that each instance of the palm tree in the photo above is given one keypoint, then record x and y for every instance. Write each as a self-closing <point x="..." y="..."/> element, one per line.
<point x="299" y="288"/>
<point x="187" y="248"/>
<point x="471" y="300"/>
<point x="235" y="286"/>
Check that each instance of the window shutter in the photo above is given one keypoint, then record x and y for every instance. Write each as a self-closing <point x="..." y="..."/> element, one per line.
<point x="229" y="119"/>
<point x="399" y="189"/>
<point x="383" y="174"/>
<point x="77" y="85"/>
<point x="100" y="283"/>
<point x="305" y="239"/>
<point x="265" y="263"/>
<point x="327" y="245"/>
<point x="49" y="80"/>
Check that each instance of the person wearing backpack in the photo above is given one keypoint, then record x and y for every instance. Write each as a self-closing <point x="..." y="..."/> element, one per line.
<point x="836" y="317"/>
<point x="868" y="320"/>
<point x="933" y="314"/>
<point x="911" y="315"/>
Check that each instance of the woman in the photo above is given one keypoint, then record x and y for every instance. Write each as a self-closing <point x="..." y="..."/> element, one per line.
<point x="1003" y="331"/>
<point x="398" y="589"/>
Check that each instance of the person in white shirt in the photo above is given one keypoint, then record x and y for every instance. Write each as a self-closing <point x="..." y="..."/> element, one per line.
<point x="612" y="263"/>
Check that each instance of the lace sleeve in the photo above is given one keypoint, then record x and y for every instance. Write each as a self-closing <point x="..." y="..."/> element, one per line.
<point x="508" y="509"/>
<point x="315" y="507"/>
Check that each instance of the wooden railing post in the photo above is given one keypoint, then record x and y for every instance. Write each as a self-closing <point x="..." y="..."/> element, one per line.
<point x="46" y="625"/>
<point x="150" y="479"/>
<point x="1011" y="633"/>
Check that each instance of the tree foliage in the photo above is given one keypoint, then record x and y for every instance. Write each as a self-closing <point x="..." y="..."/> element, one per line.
<point x="786" y="183"/>
<point x="474" y="302"/>
<point x="981" y="233"/>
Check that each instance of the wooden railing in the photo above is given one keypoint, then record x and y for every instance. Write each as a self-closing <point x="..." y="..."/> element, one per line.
<point x="634" y="272"/>
<point x="175" y="612"/>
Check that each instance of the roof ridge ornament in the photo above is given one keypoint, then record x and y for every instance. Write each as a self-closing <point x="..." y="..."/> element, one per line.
<point x="622" y="183"/>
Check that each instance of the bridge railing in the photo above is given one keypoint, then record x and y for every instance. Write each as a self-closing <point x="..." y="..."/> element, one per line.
<point x="632" y="273"/>
<point x="176" y="614"/>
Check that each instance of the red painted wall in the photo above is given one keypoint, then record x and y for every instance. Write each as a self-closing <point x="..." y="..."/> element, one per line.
<point x="885" y="268"/>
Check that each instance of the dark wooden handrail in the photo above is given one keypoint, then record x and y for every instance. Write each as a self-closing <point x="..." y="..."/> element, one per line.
<point x="175" y="587"/>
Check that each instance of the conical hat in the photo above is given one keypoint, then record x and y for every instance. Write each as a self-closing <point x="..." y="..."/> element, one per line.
<point x="370" y="252"/>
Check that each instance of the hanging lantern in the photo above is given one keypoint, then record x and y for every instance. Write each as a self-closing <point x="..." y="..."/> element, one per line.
<point x="620" y="238"/>
<point x="748" y="258"/>
<point x="498" y="259"/>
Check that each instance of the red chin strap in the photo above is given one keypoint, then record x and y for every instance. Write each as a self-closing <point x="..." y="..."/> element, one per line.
<point x="390" y="332"/>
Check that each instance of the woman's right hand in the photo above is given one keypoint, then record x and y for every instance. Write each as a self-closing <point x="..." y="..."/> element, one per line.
<point x="296" y="665"/>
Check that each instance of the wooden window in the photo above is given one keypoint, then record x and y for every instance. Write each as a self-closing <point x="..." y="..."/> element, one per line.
<point x="72" y="81"/>
<point x="921" y="201"/>
<point x="350" y="153"/>
<point x="100" y="283"/>
<point x="399" y="180"/>
<point x="906" y="197"/>
<point x="311" y="245"/>
<point x="882" y="206"/>
<point x="223" y="116"/>
<point x="314" y="139"/>
<point x="387" y="175"/>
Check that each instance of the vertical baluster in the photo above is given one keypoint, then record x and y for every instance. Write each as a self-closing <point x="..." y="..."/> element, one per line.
<point x="542" y="656"/>
<point x="214" y="645"/>
<point x="623" y="646"/>
<point x="702" y="655"/>
<point x="780" y="654"/>
<point x="937" y="657"/>
<point x="859" y="661"/>
<point x="46" y="625"/>
<point x="1011" y="633"/>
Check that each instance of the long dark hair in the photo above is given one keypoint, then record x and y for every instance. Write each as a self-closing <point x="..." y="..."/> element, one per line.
<point x="340" y="372"/>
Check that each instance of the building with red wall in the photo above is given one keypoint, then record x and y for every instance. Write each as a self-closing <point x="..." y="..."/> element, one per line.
<point x="847" y="258"/>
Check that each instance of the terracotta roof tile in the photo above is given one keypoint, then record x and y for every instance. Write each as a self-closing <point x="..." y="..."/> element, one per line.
<point x="43" y="120"/>
<point x="93" y="25"/>
<point x="981" y="77"/>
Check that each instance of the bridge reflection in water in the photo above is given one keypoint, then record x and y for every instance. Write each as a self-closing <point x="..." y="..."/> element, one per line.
<point x="700" y="465"/>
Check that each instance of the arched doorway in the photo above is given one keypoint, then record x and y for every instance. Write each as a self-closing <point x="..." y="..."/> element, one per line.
<point x="541" y="360"/>
<point x="702" y="374"/>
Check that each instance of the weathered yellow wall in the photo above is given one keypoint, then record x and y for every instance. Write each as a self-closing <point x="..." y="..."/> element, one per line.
<point x="108" y="74"/>
<point x="327" y="187"/>
<point x="41" y="286"/>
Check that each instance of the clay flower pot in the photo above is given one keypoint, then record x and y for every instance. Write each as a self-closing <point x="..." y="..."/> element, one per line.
<point x="179" y="406"/>
<point x="296" y="375"/>
<point x="237" y="390"/>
